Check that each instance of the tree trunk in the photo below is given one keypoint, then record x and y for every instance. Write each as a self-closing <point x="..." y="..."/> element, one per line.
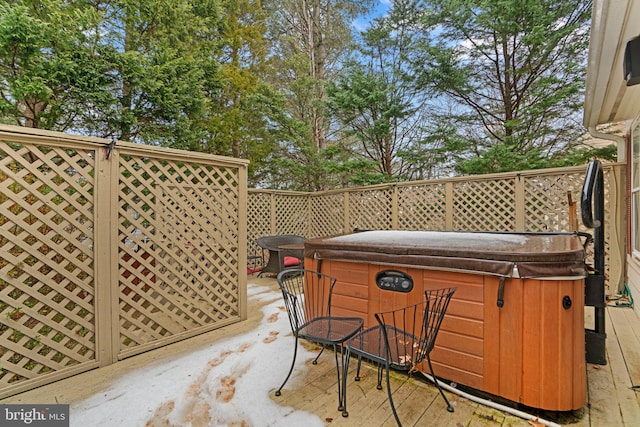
<point x="127" y="91"/>
<point x="32" y="110"/>
<point x="318" y="64"/>
<point x="507" y="91"/>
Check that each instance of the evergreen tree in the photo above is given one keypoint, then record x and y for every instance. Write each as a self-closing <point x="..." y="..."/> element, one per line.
<point x="54" y="72"/>
<point x="378" y="101"/>
<point x="514" y="70"/>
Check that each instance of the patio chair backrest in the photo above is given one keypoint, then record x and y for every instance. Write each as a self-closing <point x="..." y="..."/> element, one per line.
<point x="307" y="295"/>
<point x="410" y="332"/>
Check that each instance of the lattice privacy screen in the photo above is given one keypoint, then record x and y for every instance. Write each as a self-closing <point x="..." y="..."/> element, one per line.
<point x="546" y="200"/>
<point x="165" y="229"/>
<point x="487" y="205"/>
<point x="258" y="219"/>
<point x="292" y="215"/>
<point x="422" y="207"/>
<point x="178" y="246"/>
<point x="176" y="228"/>
<point x="47" y="316"/>
<point x="328" y="214"/>
<point x="529" y="201"/>
<point x="371" y="209"/>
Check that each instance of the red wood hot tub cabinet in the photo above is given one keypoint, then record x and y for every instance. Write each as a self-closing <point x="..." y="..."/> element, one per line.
<point x="529" y="350"/>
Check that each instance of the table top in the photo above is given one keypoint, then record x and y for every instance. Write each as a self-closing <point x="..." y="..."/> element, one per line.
<point x="292" y="246"/>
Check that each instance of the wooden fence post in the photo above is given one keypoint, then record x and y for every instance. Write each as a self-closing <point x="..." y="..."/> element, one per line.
<point x="345" y="224"/>
<point x="105" y="248"/>
<point x="448" y="210"/>
<point x="272" y="214"/>
<point x="394" y="208"/>
<point x="309" y="215"/>
<point x="520" y="211"/>
<point x="242" y="240"/>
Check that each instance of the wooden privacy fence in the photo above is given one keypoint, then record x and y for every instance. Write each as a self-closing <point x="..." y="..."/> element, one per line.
<point x="529" y="201"/>
<point x="107" y="251"/>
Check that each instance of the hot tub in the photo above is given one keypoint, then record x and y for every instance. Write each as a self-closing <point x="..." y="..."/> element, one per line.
<point x="515" y="326"/>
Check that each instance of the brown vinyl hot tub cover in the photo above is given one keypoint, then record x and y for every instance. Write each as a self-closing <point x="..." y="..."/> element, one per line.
<point x="531" y="255"/>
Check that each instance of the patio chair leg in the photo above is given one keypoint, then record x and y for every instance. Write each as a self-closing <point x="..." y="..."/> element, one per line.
<point x="379" y="386"/>
<point x="393" y="406"/>
<point x="435" y="380"/>
<point x="293" y="362"/>
<point x="341" y="390"/>
<point x="345" y="374"/>
<point x="315" y="361"/>
<point x="357" y="378"/>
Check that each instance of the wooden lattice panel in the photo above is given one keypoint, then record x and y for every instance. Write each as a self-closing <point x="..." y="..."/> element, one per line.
<point x="422" y="207"/>
<point x="178" y="247"/>
<point x="328" y="211"/>
<point x="293" y="215"/>
<point x="532" y="201"/>
<point x="484" y="205"/>
<point x="371" y="209"/>
<point x="46" y="260"/>
<point x="547" y="207"/>
<point x="608" y="188"/>
<point x="258" y="219"/>
<point x="547" y="204"/>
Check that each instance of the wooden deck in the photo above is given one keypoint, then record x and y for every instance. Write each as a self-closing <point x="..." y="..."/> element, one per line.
<point x="612" y="398"/>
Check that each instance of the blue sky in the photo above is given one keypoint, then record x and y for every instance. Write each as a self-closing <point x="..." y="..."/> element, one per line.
<point x="381" y="7"/>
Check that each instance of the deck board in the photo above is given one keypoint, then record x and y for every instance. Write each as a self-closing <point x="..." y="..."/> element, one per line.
<point x="417" y="402"/>
<point x="611" y="401"/>
<point x="603" y="405"/>
<point x="626" y="325"/>
<point x="623" y="351"/>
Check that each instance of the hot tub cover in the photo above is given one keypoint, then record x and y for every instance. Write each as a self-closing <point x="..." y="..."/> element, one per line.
<point x="527" y="255"/>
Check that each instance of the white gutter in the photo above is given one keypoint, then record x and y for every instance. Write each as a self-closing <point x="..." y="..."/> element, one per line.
<point x="619" y="140"/>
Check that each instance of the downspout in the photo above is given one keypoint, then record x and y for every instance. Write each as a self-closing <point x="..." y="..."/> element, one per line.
<point x="616" y="234"/>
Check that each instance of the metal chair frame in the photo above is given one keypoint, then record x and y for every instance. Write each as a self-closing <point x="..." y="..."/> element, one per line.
<point x="307" y="296"/>
<point x="256" y="259"/>
<point x="401" y="340"/>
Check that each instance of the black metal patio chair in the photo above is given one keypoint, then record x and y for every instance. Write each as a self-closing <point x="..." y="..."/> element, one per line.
<point x="401" y="340"/>
<point x="307" y="297"/>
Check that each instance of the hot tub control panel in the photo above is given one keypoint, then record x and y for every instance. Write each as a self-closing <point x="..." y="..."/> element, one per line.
<point x="394" y="280"/>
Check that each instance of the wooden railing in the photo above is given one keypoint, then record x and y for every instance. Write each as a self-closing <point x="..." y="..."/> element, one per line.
<point x="531" y="201"/>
